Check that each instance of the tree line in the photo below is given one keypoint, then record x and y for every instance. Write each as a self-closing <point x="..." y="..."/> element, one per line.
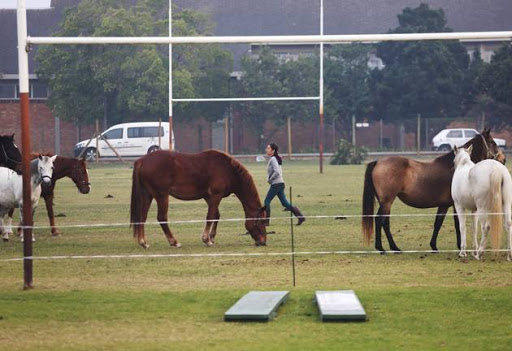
<point x="117" y="83"/>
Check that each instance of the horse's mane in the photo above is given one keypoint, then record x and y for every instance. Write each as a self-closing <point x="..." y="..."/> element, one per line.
<point x="33" y="166"/>
<point x="477" y="143"/>
<point x="34" y="155"/>
<point x="240" y="170"/>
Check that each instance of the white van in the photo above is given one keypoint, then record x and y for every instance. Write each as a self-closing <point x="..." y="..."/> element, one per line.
<point x="128" y="139"/>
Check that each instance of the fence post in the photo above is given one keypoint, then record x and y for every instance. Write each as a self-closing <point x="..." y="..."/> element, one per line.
<point x="289" y="127"/>
<point x="418" y="135"/>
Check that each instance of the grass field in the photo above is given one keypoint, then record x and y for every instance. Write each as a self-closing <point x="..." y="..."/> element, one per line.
<point x="414" y="301"/>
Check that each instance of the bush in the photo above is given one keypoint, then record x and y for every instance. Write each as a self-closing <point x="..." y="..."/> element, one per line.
<point x="348" y="154"/>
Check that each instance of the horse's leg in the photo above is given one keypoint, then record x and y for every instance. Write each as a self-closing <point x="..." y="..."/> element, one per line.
<point x="508" y="227"/>
<point x="378" y="231"/>
<point x="5" y="235"/>
<point x="485" y="226"/>
<point x="441" y="214"/>
<point x="457" y="227"/>
<point x="48" y="200"/>
<point x="475" y="237"/>
<point x="462" y="224"/>
<point x="213" y="214"/>
<point x="386" y="210"/>
<point x="162" y="202"/>
<point x="145" y="204"/>
<point x="213" y="231"/>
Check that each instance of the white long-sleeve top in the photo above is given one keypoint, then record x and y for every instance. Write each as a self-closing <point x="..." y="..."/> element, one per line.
<point x="274" y="171"/>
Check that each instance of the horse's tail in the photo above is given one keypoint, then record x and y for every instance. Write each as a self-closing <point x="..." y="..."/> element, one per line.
<point x="368" y="203"/>
<point x="136" y="203"/>
<point x="496" y="221"/>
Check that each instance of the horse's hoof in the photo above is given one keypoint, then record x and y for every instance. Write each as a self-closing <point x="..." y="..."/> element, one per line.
<point x="144" y="245"/>
<point x="177" y="245"/>
<point x="383" y="252"/>
<point x="208" y="243"/>
<point x="5" y="239"/>
<point x="260" y="244"/>
<point x="509" y="258"/>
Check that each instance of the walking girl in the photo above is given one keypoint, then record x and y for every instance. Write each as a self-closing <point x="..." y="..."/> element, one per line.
<point x="275" y="179"/>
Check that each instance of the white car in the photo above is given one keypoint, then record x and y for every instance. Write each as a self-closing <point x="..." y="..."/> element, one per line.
<point x="446" y="139"/>
<point x="128" y="139"/>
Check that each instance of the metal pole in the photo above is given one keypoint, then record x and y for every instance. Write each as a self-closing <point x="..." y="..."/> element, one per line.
<point x="293" y="241"/>
<point x="321" y="83"/>
<point x="418" y="135"/>
<point x="381" y="134"/>
<point x="25" y="143"/>
<point x="226" y="136"/>
<point x="159" y="133"/>
<point x="57" y="135"/>
<point x="353" y="130"/>
<point x="97" y="141"/>
<point x="289" y="127"/>
<point x="171" y="128"/>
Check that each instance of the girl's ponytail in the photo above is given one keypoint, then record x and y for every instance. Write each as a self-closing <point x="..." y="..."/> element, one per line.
<point x="276" y="148"/>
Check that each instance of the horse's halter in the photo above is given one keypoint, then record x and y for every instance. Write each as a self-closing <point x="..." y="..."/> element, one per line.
<point x="7" y="158"/>
<point x="490" y="154"/>
<point x="77" y="171"/>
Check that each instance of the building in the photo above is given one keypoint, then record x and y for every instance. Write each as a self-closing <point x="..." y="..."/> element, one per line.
<point x="231" y="17"/>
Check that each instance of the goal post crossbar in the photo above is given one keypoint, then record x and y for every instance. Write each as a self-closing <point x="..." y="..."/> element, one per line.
<point x="283" y="39"/>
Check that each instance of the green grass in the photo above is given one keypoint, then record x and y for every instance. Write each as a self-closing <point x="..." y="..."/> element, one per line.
<point x="413" y="301"/>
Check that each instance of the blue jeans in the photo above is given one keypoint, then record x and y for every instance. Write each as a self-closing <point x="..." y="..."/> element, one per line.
<point x="276" y="189"/>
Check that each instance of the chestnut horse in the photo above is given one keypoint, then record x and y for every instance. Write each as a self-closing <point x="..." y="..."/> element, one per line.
<point x="210" y="175"/>
<point x="417" y="184"/>
<point x="76" y="169"/>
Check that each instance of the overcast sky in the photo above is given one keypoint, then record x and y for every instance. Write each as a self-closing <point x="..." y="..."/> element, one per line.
<point x="12" y="4"/>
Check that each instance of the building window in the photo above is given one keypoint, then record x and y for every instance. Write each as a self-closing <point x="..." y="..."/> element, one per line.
<point x="7" y="90"/>
<point x="10" y="90"/>
<point x="38" y="90"/>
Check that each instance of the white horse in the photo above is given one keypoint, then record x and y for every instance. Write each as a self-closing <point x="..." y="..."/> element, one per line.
<point x="11" y="187"/>
<point x="485" y="187"/>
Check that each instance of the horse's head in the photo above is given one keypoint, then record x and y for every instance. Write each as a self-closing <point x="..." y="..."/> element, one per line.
<point x="256" y="227"/>
<point x="462" y="155"/>
<point x="10" y="155"/>
<point x="484" y="147"/>
<point x="80" y="176"/>
<point x="45" y="168"/>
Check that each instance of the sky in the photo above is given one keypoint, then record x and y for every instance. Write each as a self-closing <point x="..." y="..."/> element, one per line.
<point x="12" y="4"/>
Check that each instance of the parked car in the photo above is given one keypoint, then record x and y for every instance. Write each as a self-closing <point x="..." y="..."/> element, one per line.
<point x="446" y="139"/>
<point x="128" y="139"/>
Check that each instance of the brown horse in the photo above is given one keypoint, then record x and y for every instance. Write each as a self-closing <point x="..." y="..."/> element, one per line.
<point x="210" y="175"/>
<point x="417" y="184"/>
<point x="76" y="169"/>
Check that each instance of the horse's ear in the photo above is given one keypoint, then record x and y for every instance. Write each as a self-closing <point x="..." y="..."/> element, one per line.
<point x="470" y="149"/>
<point x="40" y="157"/>
<point x="12" y="136"/>
<point x="486" y="131"/>
<point x="455" y="148"/>
<point x="53" y="158"/>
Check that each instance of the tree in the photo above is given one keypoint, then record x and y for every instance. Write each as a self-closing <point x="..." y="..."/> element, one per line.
<point x="422" y="76"/>
<point x="127" y="82"/>
<point x="346" y="82"/>
<point x="269" y="76"/>
<point x="496" y="88"/>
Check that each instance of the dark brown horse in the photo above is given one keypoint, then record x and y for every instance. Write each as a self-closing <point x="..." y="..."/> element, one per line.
<point x="210" y="175"/>
<point x="10" y="155"/>
<point x="417" y="184"/>
<point x="73" y="168"/>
